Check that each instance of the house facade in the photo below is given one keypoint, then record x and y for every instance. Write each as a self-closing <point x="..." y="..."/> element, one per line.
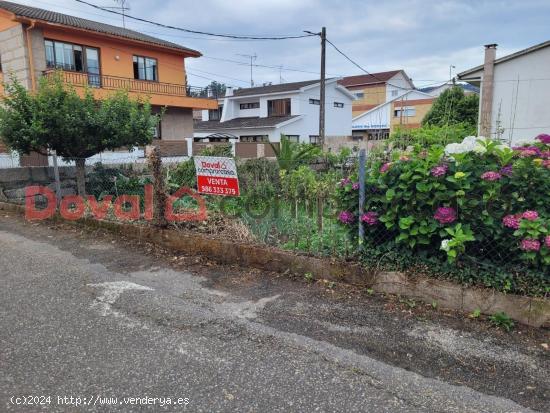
<point x="36" y="42"/>
<point x="385" y="101"/>
<point x="405" y="111"/>
<point x="262" y="114"/>
<point x="375" y="89"/>
<point x="515" y="93"/>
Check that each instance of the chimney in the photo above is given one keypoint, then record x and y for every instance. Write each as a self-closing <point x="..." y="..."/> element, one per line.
<point x="229" y="91"/>
<point x="486" y="107"/>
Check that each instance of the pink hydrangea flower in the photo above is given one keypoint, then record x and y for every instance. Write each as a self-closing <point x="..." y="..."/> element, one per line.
<point x="547" y="241"/>
<point x="512" y="221"/>
<point x="544" y="138"/>
<point x="346" y="217"/>
<point x="530" y="215"/>
<point x="385" y="168"/>
<point x="491" y="176"/>
<point x="530" y="244"/>
<point x="344" y="181"/>
<point x="546" y="163"/>
<point x="370" y="218"/>
<point x="355" y="186"/>
<point x="445" y="215"/>
<point x="439" y="170"/>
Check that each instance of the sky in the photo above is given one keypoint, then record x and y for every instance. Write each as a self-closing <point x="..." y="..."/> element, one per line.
<point x="423" y="37"/>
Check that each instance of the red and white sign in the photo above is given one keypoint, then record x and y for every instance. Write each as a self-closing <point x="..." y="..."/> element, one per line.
<point x="216" y="176"/>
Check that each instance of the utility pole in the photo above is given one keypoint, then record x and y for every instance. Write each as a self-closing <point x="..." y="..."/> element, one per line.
<point x="123" y="8"/>
<point x="323" y="35"/>
<point x="252" y="58"/>
<point x="322" y="85"/>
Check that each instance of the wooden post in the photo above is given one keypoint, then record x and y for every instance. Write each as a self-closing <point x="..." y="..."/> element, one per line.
<point x="159" y="192"/>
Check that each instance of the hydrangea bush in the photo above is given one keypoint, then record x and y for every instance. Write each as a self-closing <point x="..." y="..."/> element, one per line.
<point x="477" y="204"/>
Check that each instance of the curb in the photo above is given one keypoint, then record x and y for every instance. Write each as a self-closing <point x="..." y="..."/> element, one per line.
<point x="531" y="311"/>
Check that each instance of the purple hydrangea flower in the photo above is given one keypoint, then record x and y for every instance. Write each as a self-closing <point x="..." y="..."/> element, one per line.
<point x="370" y="218"/>
<point x="445" y="215"/>
<point x="507" y="170"/>
<point x="344" y="181"/>
<point x="346" y="217"/>
<point x="491" y="176"/>
<point x="355" y="186"/>
<point x="511" y="221"/>
<point x="530" y="244"/>
<point x="547" y="241"/>
<point x="439" y="170"/>
<point x="544" y="138"/>
<point x="530" y="215"/>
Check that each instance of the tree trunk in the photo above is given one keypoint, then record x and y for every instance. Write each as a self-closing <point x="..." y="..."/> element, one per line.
<point x="81" y="176"/>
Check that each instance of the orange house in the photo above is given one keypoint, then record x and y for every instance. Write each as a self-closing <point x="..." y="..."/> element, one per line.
<point x="35" y="42"/>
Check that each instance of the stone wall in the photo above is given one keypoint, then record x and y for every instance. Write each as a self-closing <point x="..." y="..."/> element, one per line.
<point x="14" y="55"/>
<point x="13" y="181"/>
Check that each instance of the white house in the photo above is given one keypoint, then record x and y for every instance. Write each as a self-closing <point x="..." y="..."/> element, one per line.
<point x="436" y="91"/>
<point x="515" y="93"/>
<point x="262" y="114"/>
<point x="405" y="110"/>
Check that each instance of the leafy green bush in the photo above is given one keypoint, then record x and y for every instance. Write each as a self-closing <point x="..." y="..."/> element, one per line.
<point x="476" y="207"/>
<point x="429" y="135"/>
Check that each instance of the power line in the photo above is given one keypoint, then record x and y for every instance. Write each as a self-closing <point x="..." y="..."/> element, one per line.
<point x="166" y="26"/>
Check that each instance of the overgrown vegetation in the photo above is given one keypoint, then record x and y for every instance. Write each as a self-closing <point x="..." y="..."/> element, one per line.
<point x="453" y="107"/>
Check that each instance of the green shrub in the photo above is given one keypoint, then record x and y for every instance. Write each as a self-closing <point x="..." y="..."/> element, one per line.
<point x="429" y="135"/>
<point x="480" y="214"/>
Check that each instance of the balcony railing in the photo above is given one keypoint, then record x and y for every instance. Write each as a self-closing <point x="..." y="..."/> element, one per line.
<point x="132" y="85"/>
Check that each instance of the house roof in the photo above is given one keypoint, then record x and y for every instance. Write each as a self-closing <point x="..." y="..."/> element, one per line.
<point x="531" y="49"/>
<point x="283" y="87"/>
<point x="66" y="20"/>
<point x="465" y="86"/>
<point x="373" y="78"/>
<point x="238" y="123"/>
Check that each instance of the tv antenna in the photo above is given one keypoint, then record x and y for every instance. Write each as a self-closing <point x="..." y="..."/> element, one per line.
<point x="123" y="8"/>
<point x="252" y="58"/>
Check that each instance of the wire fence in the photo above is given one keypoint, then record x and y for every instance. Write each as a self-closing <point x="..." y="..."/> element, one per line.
<point x="435" y="221"/>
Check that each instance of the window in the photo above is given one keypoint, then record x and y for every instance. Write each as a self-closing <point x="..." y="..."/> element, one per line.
<point x="359" y="95"/>
<point x="73" y="57"/>
<point x="293" y="138"/>
<point x="405" y="112"/>
<point x="394" y="93"/>
<point x="314" y="102"/>
<point x="356" y="137"/>
<point x="214" y="114"/>
<point x="157" y="131"/>
<point x="313" y="138"/>
<point x="278" y="107"/>
<point x="338" y="105"/>
<point x="251" y="105"/>
<point x="254" y="138"/>
<point x="145" y="68"/>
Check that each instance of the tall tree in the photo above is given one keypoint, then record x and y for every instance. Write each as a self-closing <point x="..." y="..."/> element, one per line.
<point x="57" y="118"/>
<point x="453" y="107"/>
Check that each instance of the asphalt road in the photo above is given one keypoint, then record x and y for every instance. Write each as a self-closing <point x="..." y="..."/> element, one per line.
<point x="93" y="318"/>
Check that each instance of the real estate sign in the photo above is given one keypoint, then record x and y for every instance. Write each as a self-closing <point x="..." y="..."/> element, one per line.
<point x="216" y="176"/>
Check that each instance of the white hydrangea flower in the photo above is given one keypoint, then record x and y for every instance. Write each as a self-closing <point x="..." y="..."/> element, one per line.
<point x="445" y="245"/>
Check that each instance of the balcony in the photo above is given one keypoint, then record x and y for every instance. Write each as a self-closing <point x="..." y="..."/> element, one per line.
<point x="158" y="93"/>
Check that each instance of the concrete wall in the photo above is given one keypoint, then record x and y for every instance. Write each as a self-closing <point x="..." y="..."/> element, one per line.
<point x="177" y="124"/>
<point x="522" y="96"/>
